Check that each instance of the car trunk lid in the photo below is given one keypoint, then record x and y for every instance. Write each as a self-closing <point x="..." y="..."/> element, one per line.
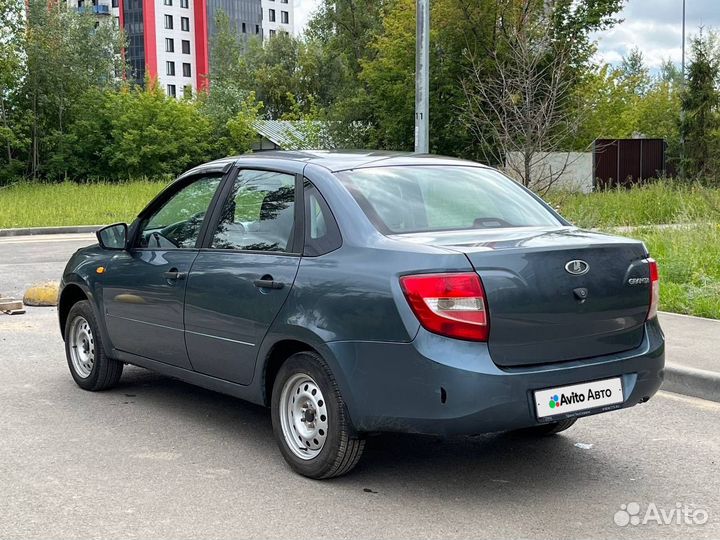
<point x="555" y="294"/>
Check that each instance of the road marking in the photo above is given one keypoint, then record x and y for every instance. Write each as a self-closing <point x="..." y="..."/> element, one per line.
<point x="13" y="240"/>
<point x="693" y="401"/>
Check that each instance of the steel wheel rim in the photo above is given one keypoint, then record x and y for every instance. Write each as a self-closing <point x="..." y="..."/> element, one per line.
<point x="303" y="416"/>
<point x="82" y="347"/>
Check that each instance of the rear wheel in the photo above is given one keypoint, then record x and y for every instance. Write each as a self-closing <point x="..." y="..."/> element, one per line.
<point x="310" y="420"/>
<point x="549" y="429"/>
<point x="89" y="366"/>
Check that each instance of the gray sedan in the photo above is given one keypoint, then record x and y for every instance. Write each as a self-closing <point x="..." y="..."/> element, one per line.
<point x="363" y="292"/>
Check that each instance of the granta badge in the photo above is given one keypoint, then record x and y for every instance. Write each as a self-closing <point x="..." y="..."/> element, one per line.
<point x="577" y="267"/>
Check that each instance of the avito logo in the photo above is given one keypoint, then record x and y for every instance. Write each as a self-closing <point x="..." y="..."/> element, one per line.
<point x="563" y="399"/>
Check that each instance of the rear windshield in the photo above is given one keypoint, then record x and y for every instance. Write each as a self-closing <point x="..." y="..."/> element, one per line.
<point x="435" y="198"/>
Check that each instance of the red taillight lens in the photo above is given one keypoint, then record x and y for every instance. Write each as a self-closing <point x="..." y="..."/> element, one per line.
<point x="654" y="289"/>
<point x="452" y="305"/>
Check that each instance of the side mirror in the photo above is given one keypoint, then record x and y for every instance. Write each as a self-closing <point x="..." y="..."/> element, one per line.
<point x="113" y="236"/>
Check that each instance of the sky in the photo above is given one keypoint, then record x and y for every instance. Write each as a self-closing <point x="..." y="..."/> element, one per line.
<point x="652" y="25"/>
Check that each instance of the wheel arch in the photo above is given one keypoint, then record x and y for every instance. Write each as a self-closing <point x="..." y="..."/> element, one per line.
<point x="277" y="354"/>
<point x="71" y="294"/>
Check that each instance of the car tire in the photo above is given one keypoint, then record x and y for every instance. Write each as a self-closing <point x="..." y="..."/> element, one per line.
<point x="310" y="420"/>
<point x="551" y="428"/>
<point x="89" y="366"/>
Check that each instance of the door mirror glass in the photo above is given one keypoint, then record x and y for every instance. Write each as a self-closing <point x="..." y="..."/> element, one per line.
<point x="113" y="236"/>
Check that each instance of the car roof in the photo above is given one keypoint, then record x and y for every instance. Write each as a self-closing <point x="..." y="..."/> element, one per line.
<point x="341" y="160"/>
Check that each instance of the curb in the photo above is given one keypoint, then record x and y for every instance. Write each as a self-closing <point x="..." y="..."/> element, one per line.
<point x="50" y="230"/>
<point x="694" y="382"/>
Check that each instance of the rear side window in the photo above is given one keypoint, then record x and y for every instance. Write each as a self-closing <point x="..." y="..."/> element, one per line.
<point x="321" y="231"/>
<point x="259" y="213"/>
<point x="435" y="198"/>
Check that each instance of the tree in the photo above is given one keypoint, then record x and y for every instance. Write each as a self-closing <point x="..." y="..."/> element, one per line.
<point x="12" y="125"/>
<point x="700" y="102"/>
<point x="66" y="53"/>
<point x="521" y="112"/>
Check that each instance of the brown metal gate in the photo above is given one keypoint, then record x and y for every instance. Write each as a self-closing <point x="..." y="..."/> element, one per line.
<point x="624" y="162"/>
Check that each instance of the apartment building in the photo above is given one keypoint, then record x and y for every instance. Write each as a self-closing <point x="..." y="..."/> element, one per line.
<point x="169" y="40"/>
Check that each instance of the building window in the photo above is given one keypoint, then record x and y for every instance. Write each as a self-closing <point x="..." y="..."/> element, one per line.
<point x="168" y="2"/>
<point x="171" y="90"/>
<point x="271" y="15"/>
<point x="187" y="71"/>
<point x="284" y="17"/>
<point x="185" y="46"/>
<point x="283" y="1"/>
<point x="184" y="4"/>
<point x="257" y="28"/>
<point x="272" y="33"/>
<point x="170" y="68"/>
<point x="168" y="22"/>
<point x="115" y="3"/>
<point x="169" y="45"/>
<point x="184" y="24"/>
<point x="244" y="30"/>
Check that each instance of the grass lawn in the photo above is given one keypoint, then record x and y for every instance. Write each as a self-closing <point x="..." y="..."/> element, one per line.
<point x="39" y="205"/>
<point x="689" y="256"/>
<point x="689" y="263"/>
<point x="656" y="203"/>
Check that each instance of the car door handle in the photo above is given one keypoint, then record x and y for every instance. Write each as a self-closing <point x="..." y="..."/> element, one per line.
<point x="268" y="284"/>
<point x="174" y="274"/>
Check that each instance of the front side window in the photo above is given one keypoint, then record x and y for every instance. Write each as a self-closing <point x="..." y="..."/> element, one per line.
<point x="170" y="68"/>
<point x="171" y="90"/>
<point x="176" y="224"/>
<point x="435" y="198"/>
<point x="185" y="46"/>
<point x="184" y="3"/>
<point x="259" y="213"/>
<point x="168" y="22"/>
<point x="187" y="70"/>
<point x="271" y="15"/>
<point x="169" y="45"/>
<point x="284" y="17"/>
<point x="185" y="24"/>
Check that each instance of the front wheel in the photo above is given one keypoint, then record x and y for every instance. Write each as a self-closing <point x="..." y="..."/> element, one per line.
<point x="310" y="420"/>
<point x="89" y="365"/>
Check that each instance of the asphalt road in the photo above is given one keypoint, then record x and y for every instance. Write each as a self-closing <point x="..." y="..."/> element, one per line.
<point x="26" y="260"/>
<point x="157" y="458"/>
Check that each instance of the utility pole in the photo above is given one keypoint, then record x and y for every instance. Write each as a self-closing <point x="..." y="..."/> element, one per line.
<point x="682" y="109"/>
<point x="422" y="77"/>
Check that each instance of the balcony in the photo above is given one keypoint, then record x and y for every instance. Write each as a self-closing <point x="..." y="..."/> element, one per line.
<point x="96" y="10"/>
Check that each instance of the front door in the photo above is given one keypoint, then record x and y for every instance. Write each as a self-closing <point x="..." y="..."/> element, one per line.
<point x="145" y="286"/>
<point x="239" y="283"/>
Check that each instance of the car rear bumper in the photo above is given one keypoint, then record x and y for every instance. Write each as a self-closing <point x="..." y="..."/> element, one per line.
<point x="442" y="386"/>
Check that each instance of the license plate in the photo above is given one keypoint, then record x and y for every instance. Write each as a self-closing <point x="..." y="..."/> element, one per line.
<point x="578" y="397"/>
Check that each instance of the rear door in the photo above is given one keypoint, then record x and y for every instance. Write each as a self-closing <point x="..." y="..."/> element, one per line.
<point x="144" y="287"/>
<point x="243" y="275"/>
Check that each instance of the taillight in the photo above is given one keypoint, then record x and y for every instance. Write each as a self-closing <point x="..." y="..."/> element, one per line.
<point x="452" y="305"/>
<point x="654" y="289"/>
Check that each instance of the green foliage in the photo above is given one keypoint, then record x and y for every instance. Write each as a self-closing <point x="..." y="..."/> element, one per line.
<point x="700" y="101"/>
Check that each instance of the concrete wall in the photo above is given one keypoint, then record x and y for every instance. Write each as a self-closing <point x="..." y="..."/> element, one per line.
<point x="577" y="176"/>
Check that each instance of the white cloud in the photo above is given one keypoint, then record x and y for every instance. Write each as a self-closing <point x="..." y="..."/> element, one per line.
<point x="655" y="27"/>
<point x="303" y="11"/>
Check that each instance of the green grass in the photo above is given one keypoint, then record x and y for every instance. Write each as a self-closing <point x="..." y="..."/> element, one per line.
<point x="68" y="203"/>
<point x="651" y="204"/>
<point x="689" y="263"/>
